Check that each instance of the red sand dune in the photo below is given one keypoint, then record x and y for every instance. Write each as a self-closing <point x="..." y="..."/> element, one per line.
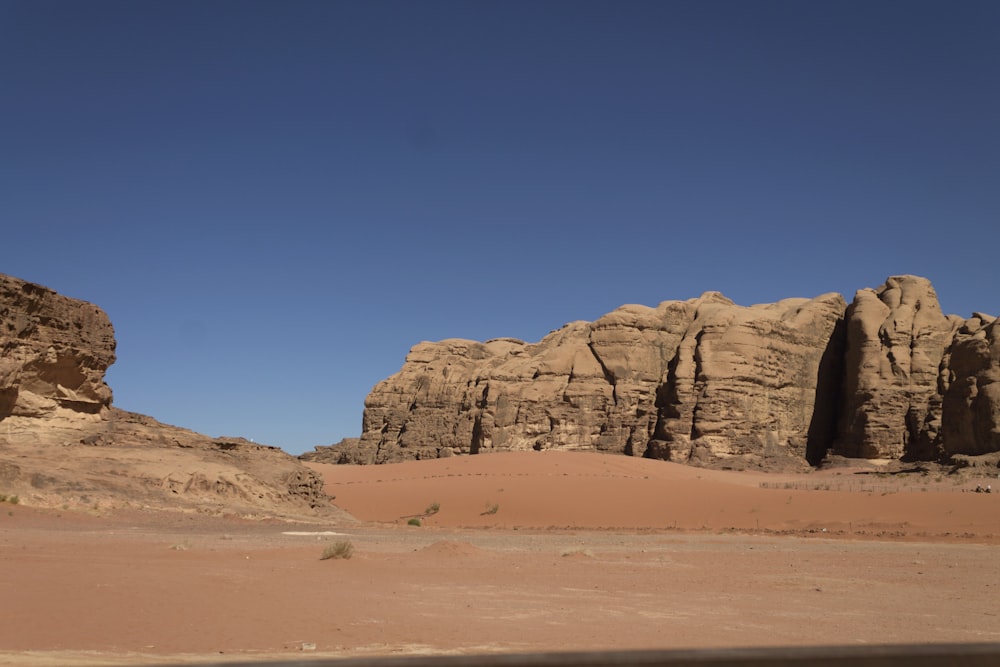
<point x="584" y="490"/>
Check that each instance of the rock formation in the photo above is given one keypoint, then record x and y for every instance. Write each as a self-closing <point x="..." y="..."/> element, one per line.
<point x="701" y="378"/>
<point x="128" y="460"/>
<point x="345" y="451"/>
<point x="971" y="402"/>
<point x="53" y="352"/>
<point x="897" y="338"/>
<point x="63" y="444"/>
<point x="706" y="381"/>
<point x="743" y="383"/>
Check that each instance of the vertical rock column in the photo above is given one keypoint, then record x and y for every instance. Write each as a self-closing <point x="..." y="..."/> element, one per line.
<point x="896" y="342"/>
<point x="971" y="419"/>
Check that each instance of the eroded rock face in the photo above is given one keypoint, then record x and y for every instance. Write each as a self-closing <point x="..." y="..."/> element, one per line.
<point x="702" y="377"/>
<point x="897" y="339"/>
<point x="54" y="352"/>
<point x="586" y="386"/>
<point x="744" y="381"/>
<point x="971" y="401"/>
<point x="708" y="382"/>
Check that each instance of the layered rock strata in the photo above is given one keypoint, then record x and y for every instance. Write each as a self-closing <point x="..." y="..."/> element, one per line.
<point x="702" y="378"/>
<point x="706" y="381"/>
<point x="54" y="352"/>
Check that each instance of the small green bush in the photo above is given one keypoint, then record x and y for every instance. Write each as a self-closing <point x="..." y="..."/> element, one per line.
<point x="432" y="509"/>
<point x="413" y="522"/>
<point x="342" y="549"/>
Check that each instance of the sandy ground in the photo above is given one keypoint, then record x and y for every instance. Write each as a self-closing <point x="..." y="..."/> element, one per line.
<point x="525" y="552"/>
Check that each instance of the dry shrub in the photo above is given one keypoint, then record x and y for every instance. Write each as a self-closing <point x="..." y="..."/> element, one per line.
<point x="342" y="549"/>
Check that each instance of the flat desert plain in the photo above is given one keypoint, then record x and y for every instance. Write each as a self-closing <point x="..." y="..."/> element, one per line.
<point x="516" y="552"/>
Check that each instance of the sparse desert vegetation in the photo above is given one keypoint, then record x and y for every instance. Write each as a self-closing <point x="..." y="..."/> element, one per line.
<point x="339" y="550"/>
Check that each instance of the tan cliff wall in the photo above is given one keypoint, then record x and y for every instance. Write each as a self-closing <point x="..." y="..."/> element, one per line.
<point x="971" y="401"/>
<point x="54" y="352"/>
<point x="706" y="381"/>
<point x="897" y="340"/>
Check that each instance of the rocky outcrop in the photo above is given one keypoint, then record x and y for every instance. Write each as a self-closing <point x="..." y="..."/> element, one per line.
<point x="54" y="352"/>
<point x="62" y="443"/>
<point x="708" y="382"/>
<point x="897" y="338"/>
<point x="127" y="460"/>
<point x="345" y="451"/>
<point x="702" y="378"/>
<point x="743" y="383"/>
<point x="971" y="402"/>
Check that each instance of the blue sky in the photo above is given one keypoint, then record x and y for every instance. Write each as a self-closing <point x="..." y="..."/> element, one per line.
<point x="274" y="201"/>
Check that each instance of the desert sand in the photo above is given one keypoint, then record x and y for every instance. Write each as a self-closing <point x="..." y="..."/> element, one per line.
<point x="516" y="552"/>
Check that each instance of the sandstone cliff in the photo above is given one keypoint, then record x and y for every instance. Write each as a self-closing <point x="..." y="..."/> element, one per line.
<point x="897" y="340"/>
<point x="53" y="352"/>
<point x="706" y="381"/>
<point x="62" y="444"/>
<point x="971" y="401"/>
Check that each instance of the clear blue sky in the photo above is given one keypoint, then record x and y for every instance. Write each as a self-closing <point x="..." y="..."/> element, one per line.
<point x="274" y="201"/>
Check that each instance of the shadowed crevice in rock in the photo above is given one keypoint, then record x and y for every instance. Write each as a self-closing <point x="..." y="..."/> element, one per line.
<point x="823" y="425"/>
<point x="659" y="446"/>
<point x="698" y="386"/>
<point x="477" y="435"/>
<point x="8" y="398"/>
<point x="609" y="375"/>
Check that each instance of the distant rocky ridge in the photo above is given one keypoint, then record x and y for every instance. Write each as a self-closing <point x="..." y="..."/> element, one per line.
<point x="708" y="382"/>
<point x="63" y="444"/>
